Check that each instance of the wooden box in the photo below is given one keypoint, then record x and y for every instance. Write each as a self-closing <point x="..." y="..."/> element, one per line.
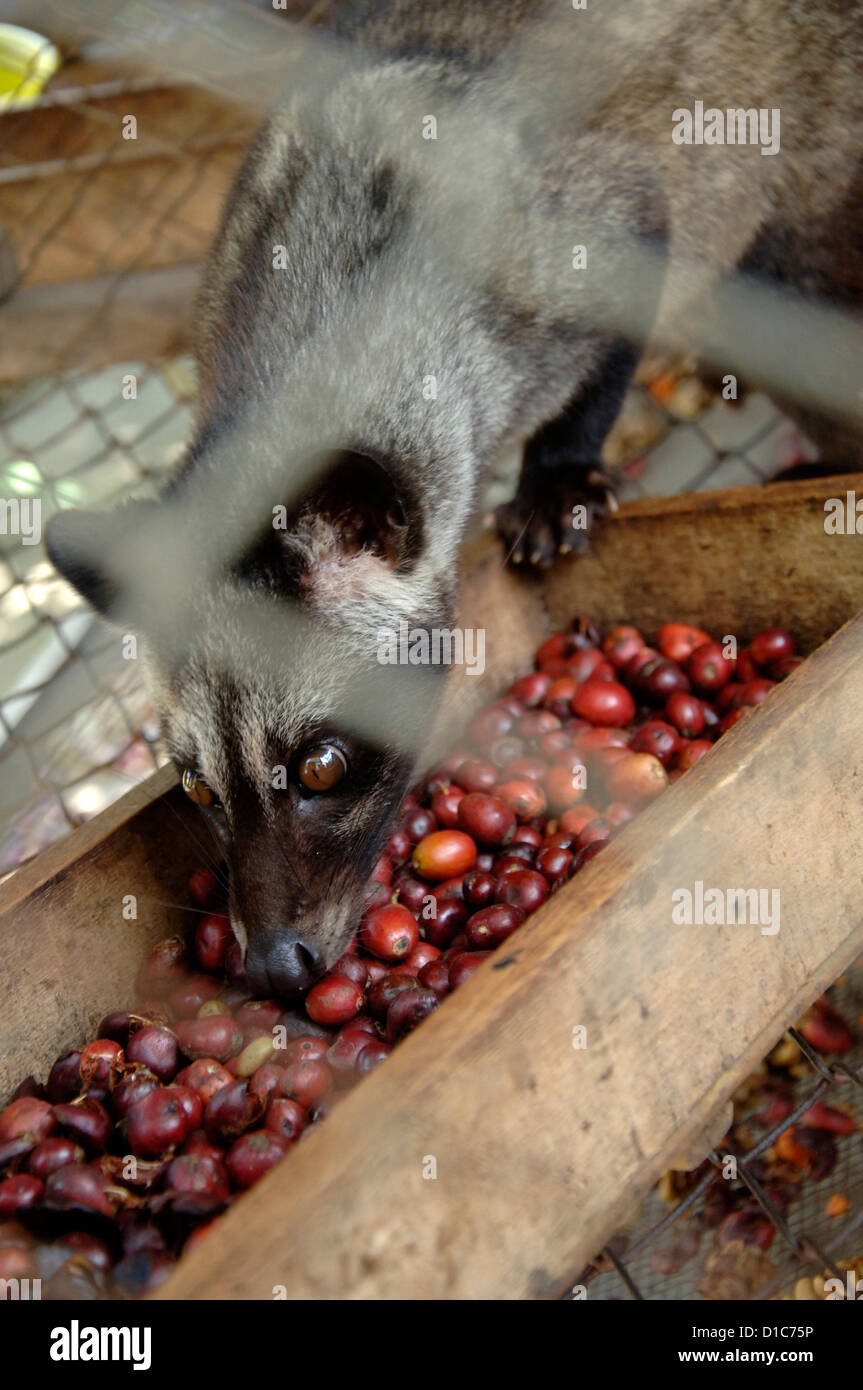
<point x="540" y="1148"/>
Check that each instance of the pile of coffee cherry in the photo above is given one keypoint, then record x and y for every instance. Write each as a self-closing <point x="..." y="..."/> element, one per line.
<point x="137" y="1141"/>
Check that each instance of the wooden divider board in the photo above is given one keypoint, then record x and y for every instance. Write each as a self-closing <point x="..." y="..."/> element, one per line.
<point x="69" y="954"/>
<point x="540" y="1149"/>
<point x="735" y="561"/>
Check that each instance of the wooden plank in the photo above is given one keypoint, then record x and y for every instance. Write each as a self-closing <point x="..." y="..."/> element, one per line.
<point x="736" y="560"/>
<point x="540" y="1149"/>
<point x="79" y="200"/>
<point x="145" y="317"/>
<point x="69" y="953"/>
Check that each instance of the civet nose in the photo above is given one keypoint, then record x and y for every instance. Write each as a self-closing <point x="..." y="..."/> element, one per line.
<point x="283" y="966"/>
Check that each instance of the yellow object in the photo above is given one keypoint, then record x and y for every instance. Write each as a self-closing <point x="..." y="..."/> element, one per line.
<point x="27" y="60"/>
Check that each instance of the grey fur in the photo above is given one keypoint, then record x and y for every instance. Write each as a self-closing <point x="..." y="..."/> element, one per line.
<point x="450" y="257"/>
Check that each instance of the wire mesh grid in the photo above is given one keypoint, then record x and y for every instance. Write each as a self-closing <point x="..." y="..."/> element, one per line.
<point x="94" y="436"/>
<point x="88" y="217"/>
<point x="763" y="1228"/>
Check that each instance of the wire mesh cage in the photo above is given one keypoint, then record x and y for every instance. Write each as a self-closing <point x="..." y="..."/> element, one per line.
<point x="783" y="1220"/>
<point x="112" y="175"/>
<point x="102" y="239"/>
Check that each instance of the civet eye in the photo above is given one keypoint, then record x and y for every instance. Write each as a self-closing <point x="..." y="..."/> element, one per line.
<point x="323" y="768"/>
<point x="196" y="788"/>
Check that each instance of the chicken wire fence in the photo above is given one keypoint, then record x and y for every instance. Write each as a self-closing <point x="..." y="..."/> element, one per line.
<point x="101" y="239"/>
<point x="766" y="1227"/>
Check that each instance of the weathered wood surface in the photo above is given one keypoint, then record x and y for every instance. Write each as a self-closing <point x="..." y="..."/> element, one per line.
<point x="69" y="955"/>
<point x="735" y="561"/>
<point x="144" y="317"/>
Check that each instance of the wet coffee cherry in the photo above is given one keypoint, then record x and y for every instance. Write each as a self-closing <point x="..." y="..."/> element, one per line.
<point x="659" y="679"/>
<point x="487" y="819"/>
<point x="335" y="999"/>
<point x="398" y="846"/>
<point x="29" y="1119"/>
<point x="677" y="641"/>
<point x="205" y="889"/>
<point x="218" y="1036"/>
<point x="577" y="818"/>
<point x="693" y="752"/>
<point x="686" y="713"/>
<point x="658" y="738"/>
<point x="286" y="1118"/>
<point x="417" y="823"/>
<point x="205" y="1077"/>
<point x="155" y="1048"/>
<point x="778" y="670"/>
<point x="408" y="1010"/>
<point x="411" y="891"/>
<point x="524" y="796"/>
<point x="422" y="954"/>
<point x="445" y="806"/>
<point x="78" y="1187"/>
<point x="604" y="702"/>
<point x="465" y="964"/>
<point x="490" y="724"/>
<point x="19" y="1192"/>
<point x="158" y="1123"/>
<point x="564" y="786"/>
<point x="435" y="976"/>
<point x="709" y="668"/>
<point x="52" y="1154"/>
<point x="444" y="854"/>
<point x="621" y="644"/>
<point x="390" y="933"/>
<point x="448" y="919"/>
<point x="553" y="862"/>
<point x="253" y="1155"/>
<point x="755" y="691"/>
<point x="86" y="1121"/>
<point x="524" y="888"/>
<point x="771" y="644"/>
<point x="479" y="889"/>
<point x="266" y="1080"/>
<point x="213" y="936"/>
<point x="636" y="778"/>
<point x="97" y="1059"/>
<point x="476" y="775"/>
<point x="307" y="1082"/>
<point x="531" y="689"/>
<point x="492" y="925"/>
<point x="304" y="1049"/>
<point x="371" y="1057"/>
